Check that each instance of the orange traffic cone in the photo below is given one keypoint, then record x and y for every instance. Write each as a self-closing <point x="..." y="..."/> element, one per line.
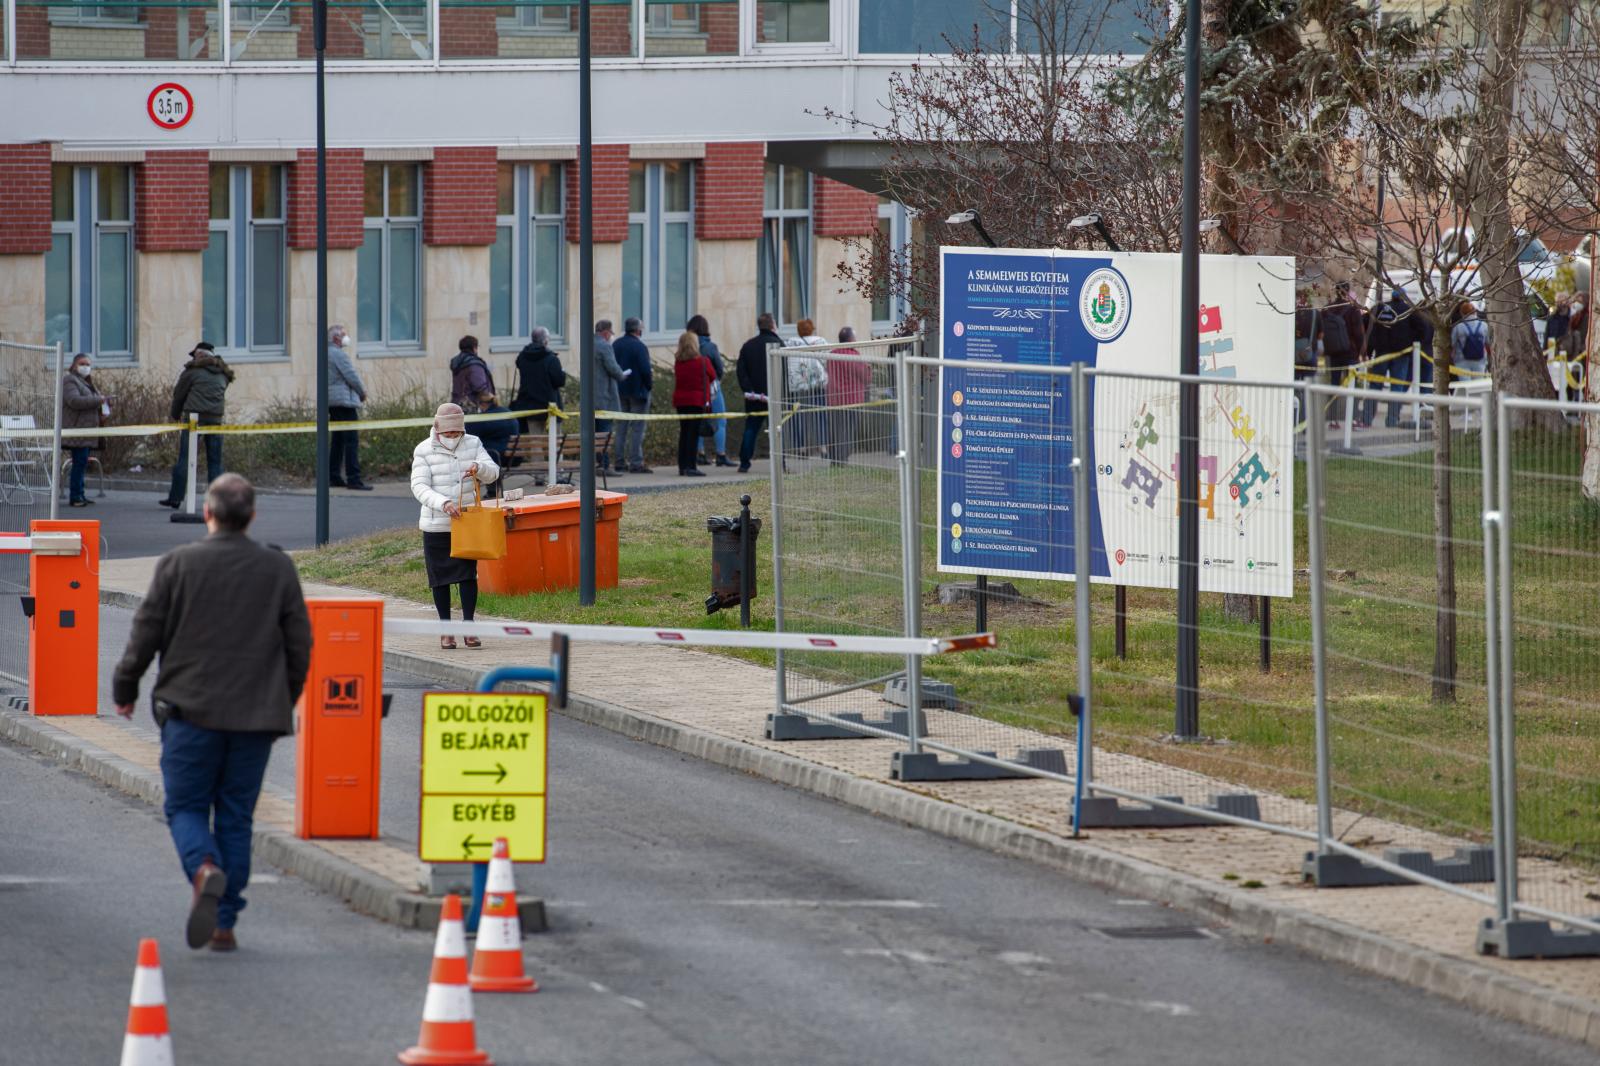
<point x="497" y="959"/>
<point x="147" y="1042"/>
<point x="448" y="1036"/>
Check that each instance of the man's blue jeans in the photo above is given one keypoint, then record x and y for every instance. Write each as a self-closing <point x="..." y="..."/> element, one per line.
<point x="80" y="464"/>
<point x="630" y="450"/>
<point x="214" y="774"/>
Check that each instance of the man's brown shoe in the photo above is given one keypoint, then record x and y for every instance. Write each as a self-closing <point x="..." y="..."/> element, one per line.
<point x="209" y="884"/>
<point x="223" y="940"/>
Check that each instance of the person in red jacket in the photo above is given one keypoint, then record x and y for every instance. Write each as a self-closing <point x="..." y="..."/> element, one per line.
<point x="847" y="389"/>
<point x="692" y="375"/>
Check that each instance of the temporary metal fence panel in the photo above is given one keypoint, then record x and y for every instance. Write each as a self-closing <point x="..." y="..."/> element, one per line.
<point x="840" y="493"/>
<point x="1407" y="633"/>
<point x="1550" y="509"/>
<point x="30" y="471"/>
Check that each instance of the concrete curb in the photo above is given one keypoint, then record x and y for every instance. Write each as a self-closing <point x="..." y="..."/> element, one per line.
<point x="362" y="890"/>
<point x="1478" y="987"/>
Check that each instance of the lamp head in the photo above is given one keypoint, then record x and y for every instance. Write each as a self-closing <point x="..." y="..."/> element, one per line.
<point x="1084" y="220"/>
<point x="1209" y="224"/>
<point x="961" y="218"/>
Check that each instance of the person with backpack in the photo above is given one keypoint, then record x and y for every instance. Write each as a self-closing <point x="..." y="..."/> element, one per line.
<point x="1338" y="343"/>
<point x="469" y="376"/>
<point x="1469" y="341"/>
<point x="539" y="377"/>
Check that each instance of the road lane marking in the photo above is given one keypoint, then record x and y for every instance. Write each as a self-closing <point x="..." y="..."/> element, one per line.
<point x="892" y="953"/>
<point x="884" y="904"/>
<point x="1148" y="1006"/>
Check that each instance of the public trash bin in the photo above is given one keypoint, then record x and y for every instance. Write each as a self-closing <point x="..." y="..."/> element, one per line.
<point x="733" y="578"/>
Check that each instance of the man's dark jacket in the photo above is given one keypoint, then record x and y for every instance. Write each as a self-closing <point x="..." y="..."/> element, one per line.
<point x="540" y="378"/>
<point x="632" y="355"/>
<point x="752" y="367"/>
<point x="228" y="620"/>
<point x="201" y="389"/>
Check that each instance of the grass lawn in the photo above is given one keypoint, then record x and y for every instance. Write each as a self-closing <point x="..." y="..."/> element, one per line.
<point x="1396" y="752"/>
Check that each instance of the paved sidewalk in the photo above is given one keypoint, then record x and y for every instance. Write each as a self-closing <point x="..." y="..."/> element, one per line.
<point x="1414" y="934"/>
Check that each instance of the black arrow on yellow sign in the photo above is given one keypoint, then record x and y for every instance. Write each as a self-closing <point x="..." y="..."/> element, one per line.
<point x="498" y="773"/>
<point x="468" y="843"/>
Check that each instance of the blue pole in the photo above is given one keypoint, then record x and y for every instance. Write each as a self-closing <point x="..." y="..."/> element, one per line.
<point x="488" y="683"/>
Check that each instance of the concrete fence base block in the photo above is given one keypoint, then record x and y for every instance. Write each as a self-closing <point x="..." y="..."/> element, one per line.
<point x="1526" y="938"/>
<point x="934" y="693"/>
<point x="1107" y="812"/>
<point x="1471" y="864"/>
<point x="802" y="727"/>
<point x="927" y="766"/>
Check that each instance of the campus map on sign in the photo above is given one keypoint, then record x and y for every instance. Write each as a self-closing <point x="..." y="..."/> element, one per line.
<point x="484" y="759"/>
<point x="1007" y="439"/>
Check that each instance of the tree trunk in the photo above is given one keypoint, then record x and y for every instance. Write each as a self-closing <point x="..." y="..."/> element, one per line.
<point x="1516" y="363"/>
<point x="1444" y="555"/>
<point x="1239" y="607"/>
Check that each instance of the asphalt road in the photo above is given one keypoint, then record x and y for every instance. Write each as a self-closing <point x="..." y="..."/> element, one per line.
<point x="699" y="916"/>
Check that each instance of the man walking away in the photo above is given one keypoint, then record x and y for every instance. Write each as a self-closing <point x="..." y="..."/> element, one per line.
<point x="1469" y="342"/>
<point x="469" y="375"/>
<point x="201" y="390"/>
<point x="539" y="379"/>
<point x="752" y="370"/>
<point x="346" y="394"/>
<point x="638" y="379"/>
<point x="606" y="395"/>
<point x="226" y="617"/>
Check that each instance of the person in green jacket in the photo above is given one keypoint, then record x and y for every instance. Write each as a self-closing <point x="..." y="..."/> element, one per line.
<point x="200" y="390"/>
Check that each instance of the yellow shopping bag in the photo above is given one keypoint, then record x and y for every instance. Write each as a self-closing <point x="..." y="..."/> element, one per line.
<point x="479" y="532"/>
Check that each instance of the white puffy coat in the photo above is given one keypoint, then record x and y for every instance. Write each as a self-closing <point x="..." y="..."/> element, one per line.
<point x="437" y="475"/>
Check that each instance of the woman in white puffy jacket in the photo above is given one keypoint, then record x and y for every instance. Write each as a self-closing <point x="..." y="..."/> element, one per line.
<point x="442" y="469"/>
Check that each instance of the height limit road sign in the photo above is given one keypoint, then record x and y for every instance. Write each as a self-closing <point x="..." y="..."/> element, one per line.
<point x="484" y="757"/>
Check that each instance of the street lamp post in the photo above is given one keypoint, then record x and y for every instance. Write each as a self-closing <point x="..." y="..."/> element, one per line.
<point x="586" y="501"/>
<point x="1187" y="690"/>
<point x="319" y="37"/>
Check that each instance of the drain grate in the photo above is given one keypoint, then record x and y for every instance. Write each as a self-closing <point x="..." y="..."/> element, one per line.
<point x="1154" y="932"/>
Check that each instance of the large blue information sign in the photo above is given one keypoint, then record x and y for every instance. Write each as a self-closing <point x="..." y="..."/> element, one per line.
<point x="1006" y="438"/>
<point x="1005" y="473"/>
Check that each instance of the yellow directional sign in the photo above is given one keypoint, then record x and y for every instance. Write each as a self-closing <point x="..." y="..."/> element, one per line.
<point x="484" y="757"/>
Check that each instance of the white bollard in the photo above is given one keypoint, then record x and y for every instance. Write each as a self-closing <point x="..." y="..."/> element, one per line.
<point x="553" y="446"/>
<point x="194" y="450"/>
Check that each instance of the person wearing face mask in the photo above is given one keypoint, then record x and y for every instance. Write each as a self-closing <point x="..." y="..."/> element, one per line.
<point x="441" y="468"/>
<point x="81" y="407"/>
<point x="1576" y="342"/>
<point x="346" y="393"/>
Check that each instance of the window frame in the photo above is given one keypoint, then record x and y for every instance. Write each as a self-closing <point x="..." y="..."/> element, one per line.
<point x="749" y="12"/>
<point x="525" y="221"/>
<point x="772" y="227"/>
<point x="899" y="218"/>
<point x="385" y="226"/>
<point x="654" y="220"/>
<point x="239" y="300"/>
<point x="85" y="272"/>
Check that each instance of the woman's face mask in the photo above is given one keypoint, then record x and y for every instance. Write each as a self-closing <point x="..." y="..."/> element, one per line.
<point x="83" y="370"/>
<point x="450" y="443"/>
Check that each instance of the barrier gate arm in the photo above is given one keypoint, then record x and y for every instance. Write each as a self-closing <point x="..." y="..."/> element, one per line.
<point x="718" y="638"/>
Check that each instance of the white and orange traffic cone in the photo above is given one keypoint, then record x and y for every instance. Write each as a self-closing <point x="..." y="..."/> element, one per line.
<point x="497" y="959"/>
<point x="147" y="1042"/>
<point x="449" y="1037"/>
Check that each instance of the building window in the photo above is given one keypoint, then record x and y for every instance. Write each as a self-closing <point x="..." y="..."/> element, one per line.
<point x="793" y="22"/>
<point x="389" y="266"/>
<point x="657" y="257"/>
<point x="89" y="268"/>
<point x="783" y="267"/>
<point x="667" y="19"/>
<point x="892" y="305"/>
<point x="245" y="261"/>
<point x="525" y="264"/>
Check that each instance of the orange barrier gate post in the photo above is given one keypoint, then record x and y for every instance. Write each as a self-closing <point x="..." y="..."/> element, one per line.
<point x="64" y="634"/>
<point x="339" y="738"/>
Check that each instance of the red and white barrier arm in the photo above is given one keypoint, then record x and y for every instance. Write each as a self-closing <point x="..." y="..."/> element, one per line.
<point x="714" y="638"/>
<point x="41" y="543"/>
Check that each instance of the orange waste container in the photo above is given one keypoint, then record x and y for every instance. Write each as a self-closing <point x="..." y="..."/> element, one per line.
<point x="339" y="739"/>
<point x="542" y="544"/>
<point x="64" y="645"/>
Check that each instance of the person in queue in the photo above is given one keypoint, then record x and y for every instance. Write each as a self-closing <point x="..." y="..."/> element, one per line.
<point x="691" y="395"/>
<point x="441" y="468"/>
<point x="82" y="407"/>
